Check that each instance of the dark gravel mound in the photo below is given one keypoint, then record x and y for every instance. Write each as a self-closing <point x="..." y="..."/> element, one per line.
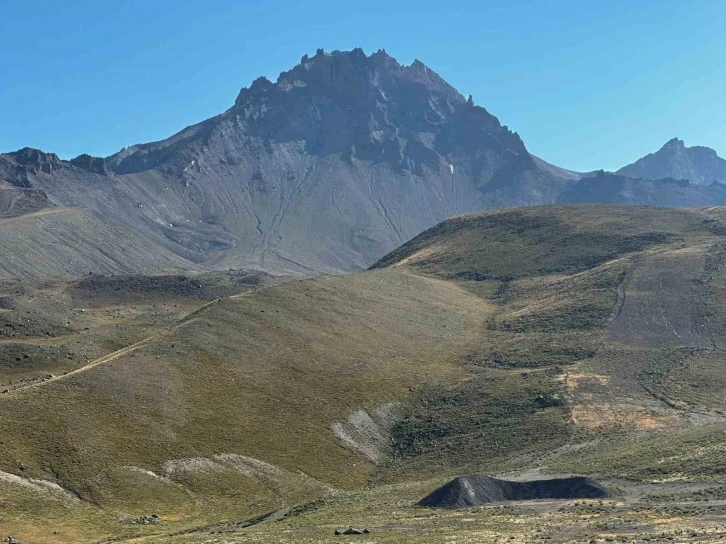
<point x="474" y="489"/>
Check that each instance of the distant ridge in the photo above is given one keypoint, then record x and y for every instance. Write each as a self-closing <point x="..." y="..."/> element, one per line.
<point x="697" y="164"/>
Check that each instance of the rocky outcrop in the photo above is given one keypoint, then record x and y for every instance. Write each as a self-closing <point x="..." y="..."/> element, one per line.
<point x="35" y="160"/>
<point x="96" y="165"/>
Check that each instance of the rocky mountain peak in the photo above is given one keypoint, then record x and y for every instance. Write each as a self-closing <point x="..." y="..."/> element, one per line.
<point x="328" y="167"/>
<point x="36" y="160"/>
<point x="352" y="73"/>
<point x="18" y="167"/>
<point x="370" y="107"/>
<point x="674" y="143"/>
<point x="699" y="165"/>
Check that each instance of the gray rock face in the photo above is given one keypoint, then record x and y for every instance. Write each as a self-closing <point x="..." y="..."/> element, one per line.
<point x="92" y="164"/>
<point x="16" y="201"/>
<point x="699" y="165"/>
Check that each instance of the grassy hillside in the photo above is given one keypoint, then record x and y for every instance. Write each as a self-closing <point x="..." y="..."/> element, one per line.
<point x="578" y="339"/>
<point x="625" y="304"/>
<point x="51" y="327"/>
<point x="230" y="414"/>
<point x="535" y="241"/>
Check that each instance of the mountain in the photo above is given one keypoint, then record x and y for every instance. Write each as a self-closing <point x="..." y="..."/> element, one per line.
<point x="343" y="158"/>
<point x="564" y="339"/>
<point x="336" y="163"/>
<point x="697" y="164"/>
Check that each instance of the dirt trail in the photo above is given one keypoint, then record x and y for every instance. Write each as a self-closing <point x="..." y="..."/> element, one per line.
<point x="141" y="343"/>
<point x="169" y="329"/>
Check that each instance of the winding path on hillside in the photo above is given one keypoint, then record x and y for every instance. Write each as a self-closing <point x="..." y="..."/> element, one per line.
<point x="136" y="345"/>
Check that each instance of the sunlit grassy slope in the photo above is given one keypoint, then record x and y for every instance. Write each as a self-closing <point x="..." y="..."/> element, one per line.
<point x="232" y="411"/>
<point x="583" y="338"/>
<point x="624" y="304"/>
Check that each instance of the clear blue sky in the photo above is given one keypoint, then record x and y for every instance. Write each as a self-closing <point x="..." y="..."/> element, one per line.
<point x="587" y="84"/>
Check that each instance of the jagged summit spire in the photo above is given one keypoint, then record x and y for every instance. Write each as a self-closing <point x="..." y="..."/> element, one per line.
<point x="344" y="69"/>
<point x="674" y="143"/>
